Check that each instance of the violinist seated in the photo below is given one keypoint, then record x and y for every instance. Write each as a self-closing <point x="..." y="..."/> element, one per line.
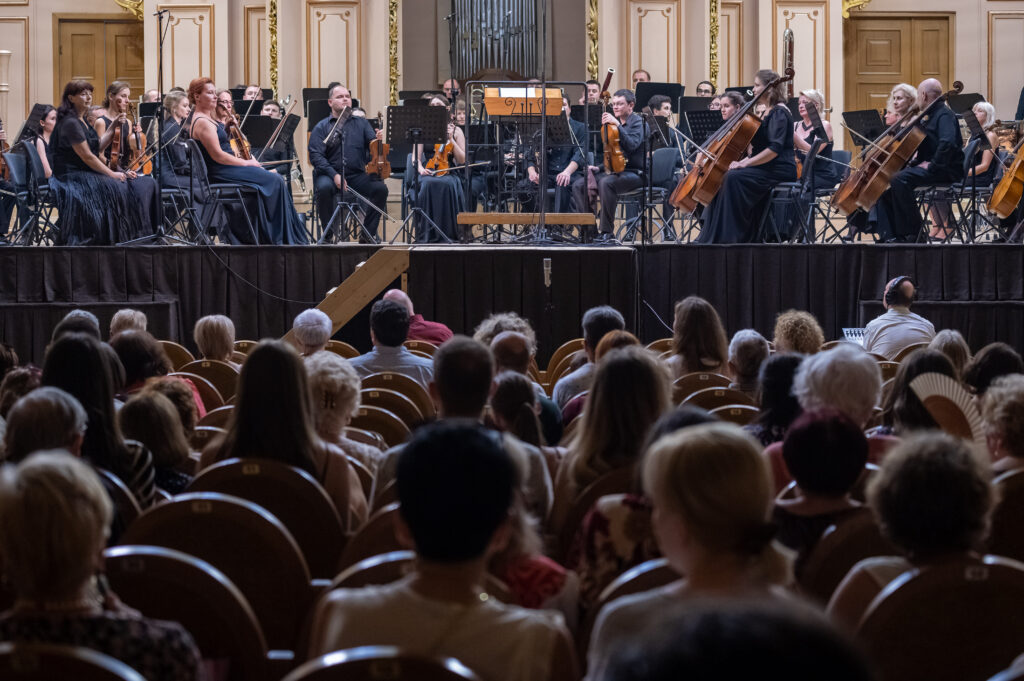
<point x="340" y="162"/>
<point x="564" y="164"/>
<point x="984" y="164"/>
<point x="611" y="185"/>
<point x="272" y="109"/>
<point x="939" y="160"/>
<point x="825" y="174"/>
<point x="440" y="195"/>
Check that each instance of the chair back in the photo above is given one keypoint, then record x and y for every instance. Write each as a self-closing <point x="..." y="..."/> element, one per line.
<point x="888" y="369"/>
<point x="364" y="474"/>
<point x="208" y="393"/>
<point x="905" y="352"/>
<point x="688" y="384"/>
<point x="341" y="348"/>
<point x="618" y="481"/>
<point x="222" y="375"/>
<point x="34" y="167"/>
<point x="661" y="345"/>
<point x="377" y="536"/>
<point x="249" y="545"/>
<point x="170" y="585"/>
<point x="663" y="165"/>
<point x="219" y="417"/>
<point x="740" y="414"/>
<point x="292" y="496"/>
<point x="198" y="165"/>
<point x="562" y="351"/>
<point x="422" y="346"/>
<point x="955" y="621"/>
<point x="380" y="662"/>
<point x="386" y="423"/>
<point x="177" y="354"/>
<point x="1005" y="537"/>
<point x="366" y="437"/>
<point x="845" y="157"/>
<point x="383" y="568"/>
<point x="563" y="367"/>
<point x="19" y="170"/>
<point x="245" y="346"/>
<point x="969" y="151"/>
<point x="46" y="662"/>
<point x="203" y="435"/>
<point x="393" y="401"/>
<point x="401" y="383"/>
<point x="709" y="398"/>
<point x="126" y="506"/>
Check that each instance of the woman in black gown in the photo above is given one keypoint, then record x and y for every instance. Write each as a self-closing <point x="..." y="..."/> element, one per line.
<point x="275" y="218"/>
<point x="441" y="198"/>
<point x="825" y="173"/>
<point x="46" y="125"/>
<point x="96" y="205"/>
<point x="735" y="213"/>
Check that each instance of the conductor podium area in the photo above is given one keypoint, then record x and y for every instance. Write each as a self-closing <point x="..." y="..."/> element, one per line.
<point x="977" y="289"/>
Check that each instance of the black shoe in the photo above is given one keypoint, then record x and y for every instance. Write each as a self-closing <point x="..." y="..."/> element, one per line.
<point x="603" y="238"/>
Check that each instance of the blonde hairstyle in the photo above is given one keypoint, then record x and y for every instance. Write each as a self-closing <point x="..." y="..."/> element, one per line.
<point x="173" y="99"/>
<point x="215" y="337"/>
<point x="798" y="331"/>
<point x="56" y="516"/>
<point x="816" y="98"/>
<point x="1003" y="411"/>
<point x="152" y="419"/>
<point x="334" y="386"/>
<point x="631" y="391"/>
<point x="951" y="343"/>
<point x="990" y="114"/>
<point x="714" y="477"/>
<point x="907" y="89"/>
<point x="126" y="319"/>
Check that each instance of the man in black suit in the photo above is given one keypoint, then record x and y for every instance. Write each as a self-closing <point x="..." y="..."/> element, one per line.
<point x="565" y="165"/>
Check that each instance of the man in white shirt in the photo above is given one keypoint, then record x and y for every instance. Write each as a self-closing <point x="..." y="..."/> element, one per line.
<point x="389" y="328"/>
<point x="889" y="333"/>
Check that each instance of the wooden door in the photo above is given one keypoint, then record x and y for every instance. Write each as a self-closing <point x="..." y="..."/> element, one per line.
<point x="100" y="52"/>
<point x="879" y="52"/>
<point x="125" y="59"/>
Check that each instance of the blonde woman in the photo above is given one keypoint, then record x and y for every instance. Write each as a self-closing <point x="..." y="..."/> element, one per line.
<point x="984" y="164"/>
<point x="215" y="338"/>
<point x="825" y="173"/>
<point x="902" y="99"/>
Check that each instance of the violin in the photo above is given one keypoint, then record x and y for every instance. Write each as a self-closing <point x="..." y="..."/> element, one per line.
<point x="5" y="172"/>
<point x="379" y="164"/>
<point x="239" y="144"/>
<point x="614" y="160"/>
<point x="440" y="162"/>
<point x="139" y="161"/>
<point x="114" y="163"/>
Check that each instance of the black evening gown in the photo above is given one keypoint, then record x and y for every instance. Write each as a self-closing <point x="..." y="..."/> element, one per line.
<point x="735" y="213"/>
<point x="276" y="219"/>
<point x="826" y="173"/>
<point x="442" y="199"/>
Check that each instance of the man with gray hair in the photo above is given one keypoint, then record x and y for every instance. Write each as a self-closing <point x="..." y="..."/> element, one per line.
<point x="597" y="321"/>
<point x="312" y="329"/>
<point x="747" y="352"/>
<point x="46" y="418"/>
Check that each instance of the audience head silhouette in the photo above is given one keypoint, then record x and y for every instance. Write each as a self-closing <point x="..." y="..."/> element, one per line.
<point x="312" y="329"/>
<point x="463" y="369"/>
<point x="389" y="323"/>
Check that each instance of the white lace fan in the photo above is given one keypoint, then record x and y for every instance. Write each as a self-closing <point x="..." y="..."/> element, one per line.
<point x="950" y="405"/>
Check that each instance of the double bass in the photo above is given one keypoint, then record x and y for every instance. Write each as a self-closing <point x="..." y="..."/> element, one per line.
<point x="728" y="144"/>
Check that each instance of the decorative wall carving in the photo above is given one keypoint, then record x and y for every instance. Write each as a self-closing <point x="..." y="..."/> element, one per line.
<point x="332" y="43"/>
<point x="189" y="50"/>
<point x="653" y="37"/>
<point x="257" y="47"/>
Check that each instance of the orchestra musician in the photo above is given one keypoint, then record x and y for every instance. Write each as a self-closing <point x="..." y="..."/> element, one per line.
<point x="610" y="185"/>
<point x="715" y="104"/>
<point x="565" y="164"/>
<point x="451" y="89"/>
<point x="593" y="93"/>
<point x="729" y="102"/>
<point x="440" y="196"/>
<point x="115" y="109"/>
<point x="641" y="76"/>
<point x="275" y="216"/>
<point x="272" y="109"/>
<point x="252" y="92"/>
<point x="46" y="125"/>
<point x="225" y="107"/>
<point x="340" y="162"/>
<point x="733" y="214"/>
<point x="939" y="160"/>
<point x="984" y="165"/>
<point x="95" y="205"/>
<point x="902" y="99"/>
<point x="705" y="88"/>
<point x="825" y="173"/>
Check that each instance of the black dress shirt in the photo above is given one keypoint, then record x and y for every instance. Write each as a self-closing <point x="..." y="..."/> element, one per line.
<point x="943" y="145"/>
<point x="355" y="136"/>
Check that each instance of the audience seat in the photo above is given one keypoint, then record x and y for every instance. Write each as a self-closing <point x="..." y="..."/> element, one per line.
<point x="841" y="546"/>
<point x="44" y="662"/>
<point x="208" y="393"/>
<point x="222" y="375"/>
<point x="219" y="417"/>
<point x="171" y="585"/>
<point x="422" y="346"/>
<point x="960" y="620"/>
<point x="877" y="357"/>
<point x="177" y="354"/>
<point x="562" y="351"/>
<point x="366" y="437"/>
<point x="377" y="536"/>
<point x="388" y="494"/>
<point x="740" y="414"/>
<point x="245" y="346"/>
<point x="562" y="368"/>
<point x="386" y="423"/>
<point x="688" y="384"/>
<point x="902" y="354"/>
<point x="126" y="506"/>
<point x="401" y="383"/>
<point x="710" y="398"/>
<point x="662" y="345"/>
<point x="393" y="401"/>
<point x="618" y="481"/>
<point x="380" y="662"/>
<point x="383" y="568"/>
<point x="249" y="545"/>
<point x="292" y="496"/>
<point x="363" y="473"/>
<point x="888" y="369"/>
<point x="342" y="348"/>
<point x="828" y="345"/>
<point x="570" y="430"/>
<point x="203" y="435"/>
<point x="1006" y="537"/>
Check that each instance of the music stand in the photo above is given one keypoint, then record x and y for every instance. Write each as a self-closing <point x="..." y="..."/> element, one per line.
<point x="316" y="111"/>
<point x="588" y="114"/>
<point x="310" y="94"/>
<point x="867" y="123"/>
<point x="258" y="130"/>
<point x="793" y="104"/>
<point x="742" y="89"/>
<point x="964" y="102"/>
<point x="703" y="124"/>
<point x="645" y="90"/>
<point x="426" y="125"/>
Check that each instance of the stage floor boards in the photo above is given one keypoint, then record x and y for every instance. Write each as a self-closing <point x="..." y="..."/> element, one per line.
<point x="978" y="289"/>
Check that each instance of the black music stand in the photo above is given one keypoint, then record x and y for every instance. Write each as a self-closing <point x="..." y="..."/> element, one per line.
<point x="408" y="95"/>
<point x="866" y="123"/>
<point x="645" y="90"/>
<point x="588" y="114"/>
<point x="742" y="89"/>
<point x="258" y="129"/>
<point x="250" y="107"/>
<point x="418" y="125"/>
<point x="703" y="124"/>
<point x="316" y="111"/>
<point x="964" y="102"/>
<point x="793" y="104"/>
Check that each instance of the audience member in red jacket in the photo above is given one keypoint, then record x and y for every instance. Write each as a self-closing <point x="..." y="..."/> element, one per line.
<point x="419" y="328"/>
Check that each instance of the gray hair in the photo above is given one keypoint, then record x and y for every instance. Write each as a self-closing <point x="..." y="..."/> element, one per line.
<point x="312" y="330"/>
<point x="747" y="351"/>
<point x="334" y="386"/>
<point x="46" y="418"/>
<point x="845" y="378"/>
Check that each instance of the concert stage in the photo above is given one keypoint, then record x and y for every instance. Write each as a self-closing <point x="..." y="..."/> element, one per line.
<point x="978" y="289"/>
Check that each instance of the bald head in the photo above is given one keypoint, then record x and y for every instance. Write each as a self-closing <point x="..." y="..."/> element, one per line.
<point x="902" y="296"/>
<point x="398" y="295"/>
<point x="511" y="351"/>
<point x="929" y="90"/>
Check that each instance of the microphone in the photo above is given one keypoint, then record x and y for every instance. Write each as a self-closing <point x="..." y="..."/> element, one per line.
<point x="161" y="11"/>
<point x="547" y="272"/>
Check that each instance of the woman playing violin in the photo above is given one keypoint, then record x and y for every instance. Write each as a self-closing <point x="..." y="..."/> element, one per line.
<point x="274" y="214"/>
<point x="734" y="213"/>
<point x="112" y="118"/>
<point x="441" y="196"/>
<point x="96" y="205"/>
<point x="825" y="173"/>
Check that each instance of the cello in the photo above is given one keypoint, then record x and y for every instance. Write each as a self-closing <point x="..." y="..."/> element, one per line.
<point x="728" y="144"/>
<point x="614" y="160"/>
<point x="1007" y="194"/>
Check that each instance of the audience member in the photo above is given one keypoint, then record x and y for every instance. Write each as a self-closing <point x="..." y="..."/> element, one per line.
<point x="933" y="499"/>
<point x="611" y="341"/>
<point x="514" y="407"/>
<point x="8" y="359"/>
<point x="512" y="352"/>
<point x="747" y="352"/>
<point x="56" y="516"/>
<point x="798" y="331"/>
<point x="77" y="321"/>
<point x="273" y="420"/>
<point x="142" y="357"/>
<point x="117" y="372"/>
<point x="389" y="329"/>
<point x="712" y="499"/>
<point x="825" y="452"/>
<point x="75" y="362"/>
<point x="1003" y="411"/>
<point x="597" y="321"/>
<point x="46" y="418"/>
<point x="952" y="344"/>
<point x="152" y="419"/>
<point x="746" y="640"/>
<point x="494" y="324"/>
<point x="126" y="319"/>
<point x="992" y="361"/>
<point x="312" y="329"/>
<point x="698" y="339"/>
<point x="903" y="412"/>
<point x="889" y="333"/>
<point x="775" y="395"/>
<point x="419" y="328"/>
<point x="215" y="338"/>
<point x="180" y="395"/>
<point x="17" y="383"/>
<point x="442" y="608"/>
<point x="335" y="386"/>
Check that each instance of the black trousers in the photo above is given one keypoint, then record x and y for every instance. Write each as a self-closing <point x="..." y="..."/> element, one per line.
<point x="897" y="212"/>
<point x="366" y="185"/>
<point x="609" y="187"/>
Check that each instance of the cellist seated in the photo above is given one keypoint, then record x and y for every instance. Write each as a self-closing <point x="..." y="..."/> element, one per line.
<point x="611" y="185"/>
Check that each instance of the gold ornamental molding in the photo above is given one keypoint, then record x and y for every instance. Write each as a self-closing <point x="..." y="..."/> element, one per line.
<point x="713" y="44"/>
<point x="393" y="52"/>
<point x="133" y="7"/>
<point x="852" y="4"/>
<point x="272" y="29"/>
<point x="593" y="61"/>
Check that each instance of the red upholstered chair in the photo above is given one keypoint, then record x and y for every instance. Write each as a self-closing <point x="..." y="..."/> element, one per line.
<point x="45" y="662"/>
<point x="380" y="662"/>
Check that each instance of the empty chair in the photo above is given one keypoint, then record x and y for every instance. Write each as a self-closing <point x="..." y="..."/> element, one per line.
<point x="170" y="585"/>
<point x="710" y="398"/>
<point x="377" y="536"/>
<point x="249" y="545"/>
<point x="292" y="496"/>
<point x="393" y="401"/>
<point x="178" y="354"/>
<point x="403" y="384"/>
<point x="45" y="662"/>
<point x="380" y="662"/>
<point x="688" y="384"/>
<point x="388" y="425"/>
<point x="222" y="375"/>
